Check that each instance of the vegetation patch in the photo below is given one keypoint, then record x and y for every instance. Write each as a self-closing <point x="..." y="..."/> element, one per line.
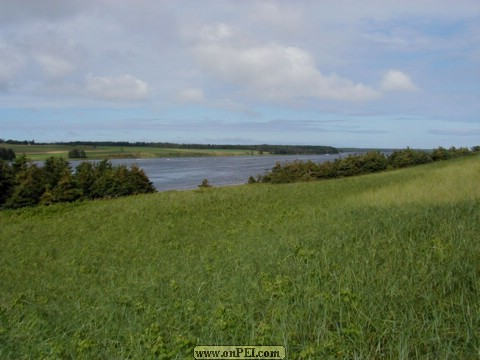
<point x="126" y="150"/>
<point x="358" y="164"/>
<point x="77" y="154"/>
<point x="23" y="183"/>
<point x="328" y="269"/>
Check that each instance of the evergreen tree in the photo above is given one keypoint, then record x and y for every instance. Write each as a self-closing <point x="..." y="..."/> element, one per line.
<point x="67" y="189"/>
<point x="20" y="164"/>
<point x="77" y="154"/>
<point x="85" y="177"/>
<point x="29" y="188"/>
<point x="205" y="184"/>
<point x="440" y="153"/>
<point x="7" y="181"/>
<point x="408" y="157"/>
<point x="7" y="154"/>
<point x="54" y="169"/>
<point x="140" y="181"/>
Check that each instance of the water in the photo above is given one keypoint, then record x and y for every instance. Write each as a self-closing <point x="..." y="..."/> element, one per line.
<point x="188" y="173"/>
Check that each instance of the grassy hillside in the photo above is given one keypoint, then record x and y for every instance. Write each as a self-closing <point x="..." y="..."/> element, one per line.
<point x="371" y="267"/>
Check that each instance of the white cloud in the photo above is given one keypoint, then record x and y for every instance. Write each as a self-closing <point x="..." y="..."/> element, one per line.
<point x="11" y="63"/>
<point x="395" y="80"/>
<point x="354" y="10"/>
<point x="274" y="71"/>
<point x="125" y="87"/>
<point x="216" y="32"/>
<point x="191" y="95"/>
<point x="54" y="66"/>
<point x="277" y="14"/>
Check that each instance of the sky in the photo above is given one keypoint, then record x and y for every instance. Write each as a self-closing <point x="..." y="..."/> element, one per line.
<point x="344" y="73"/>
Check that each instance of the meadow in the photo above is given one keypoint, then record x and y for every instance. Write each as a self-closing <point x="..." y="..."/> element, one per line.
<point x="42" y="152"/>
<point x="377" y="266"/>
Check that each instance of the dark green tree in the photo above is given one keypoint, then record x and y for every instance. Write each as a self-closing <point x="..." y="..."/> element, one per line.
<point x="20" y="164"/>
<point x="458" y="152"/>
<point x="140" y="182"/>
<point x="205" y="184"/>
<point x="440" y="153"/>
<point x="77" y="154"/>
<point x="67" y="189"/>
<point x="374" y="161"/>
<point x="54" y="169"/>
<point x="408" y="157"/>
<point x="85" y="177"/>
<point x="7" y="181"/>
<point x="29" y="187"/>
<point x="7" y="154"/>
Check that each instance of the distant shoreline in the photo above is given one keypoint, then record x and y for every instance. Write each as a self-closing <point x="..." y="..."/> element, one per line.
<point x="110" y="151"/>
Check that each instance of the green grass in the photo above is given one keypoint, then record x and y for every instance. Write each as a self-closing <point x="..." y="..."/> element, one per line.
<point x="383" y="266"/>
<point x="42" y="152"/>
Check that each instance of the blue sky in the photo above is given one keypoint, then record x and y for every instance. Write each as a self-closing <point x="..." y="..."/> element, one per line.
<point x="343" y="73"/>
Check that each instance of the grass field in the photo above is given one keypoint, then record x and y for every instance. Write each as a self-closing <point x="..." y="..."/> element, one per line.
<point x="42" y="152"/>
<point x="383" y="266"/>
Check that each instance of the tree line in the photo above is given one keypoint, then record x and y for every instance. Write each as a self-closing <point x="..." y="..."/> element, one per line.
<point x="263" y="148"/>
<point x="23" y="183"/>
<point x="359" y="164"/>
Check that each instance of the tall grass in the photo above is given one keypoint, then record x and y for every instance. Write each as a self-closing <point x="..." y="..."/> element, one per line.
<point x="371" y="267"/>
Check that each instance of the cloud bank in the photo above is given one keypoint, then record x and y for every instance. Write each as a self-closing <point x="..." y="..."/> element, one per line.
<point x="395" y="80"/>
<point x="272" y="71"/>
<point x="121" y="88"/>
<point x="231" y="61"/>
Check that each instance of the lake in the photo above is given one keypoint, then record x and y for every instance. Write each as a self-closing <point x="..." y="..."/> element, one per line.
<point x="188" y="173"/>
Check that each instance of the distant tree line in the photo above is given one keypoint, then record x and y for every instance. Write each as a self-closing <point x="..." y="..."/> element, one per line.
<point x="370" y="162"/>
<point x="17" y="142"/>
<point x="264" y="148"/>
<point x="23" y="183"/>
<point x="7" y="154"/>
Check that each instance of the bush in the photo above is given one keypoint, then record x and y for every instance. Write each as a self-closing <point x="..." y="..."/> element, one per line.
<point x="7" y="154"/>
<point x="77" y="154"/>
<point x="370" y="162"/>
<point x="291" y="171"/>
<point x="205" y="184"/>
<point x="29" y="188"/>
<point x="7" y="181"/>
<point x="440" y="153"/>
<point x="409" y="157"/>
<point x="54" y="168"/>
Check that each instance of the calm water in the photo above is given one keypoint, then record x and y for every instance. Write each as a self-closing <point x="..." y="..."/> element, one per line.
<point x="188" y="173"/>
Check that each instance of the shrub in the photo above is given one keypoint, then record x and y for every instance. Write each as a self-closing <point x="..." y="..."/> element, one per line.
<point x="7" y="154"/>
<point x="54" y="168"/>
<point x="77" y="154"/>
<point x="409" y="157"/>
<point x="205" y="184"/>
<point x="7" y="181"/>
<point x="370" y="162"/>
<point x="29" y="188"/>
